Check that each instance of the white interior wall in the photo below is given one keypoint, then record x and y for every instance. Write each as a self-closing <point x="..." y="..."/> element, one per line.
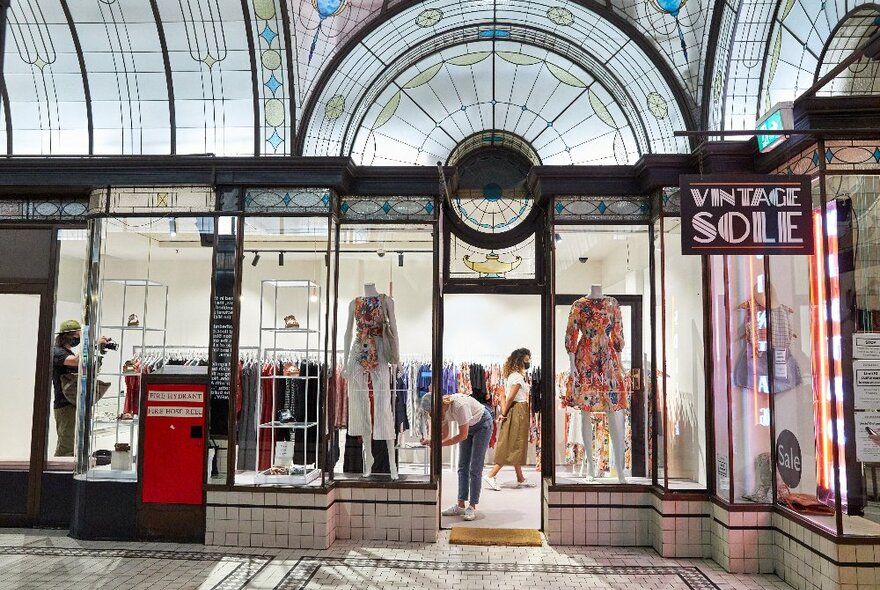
<point x="19" y="316"/>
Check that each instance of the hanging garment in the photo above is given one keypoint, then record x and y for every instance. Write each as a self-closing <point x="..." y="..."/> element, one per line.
<point x="751" y="369"/>
<point x="247" y="420"/>
<point x="595" y="336"/>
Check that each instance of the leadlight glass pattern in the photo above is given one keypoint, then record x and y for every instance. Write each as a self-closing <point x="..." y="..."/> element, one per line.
<point x="320" y="29"/>
<point x="805" y="162"/>
<point x="862" y="77"/>
<point x="287" y="200"/>
<point x="211" y="75"/>
<point x="581" y="208"/>
<point x="800" y="33"/>
<point x="388" y="208"/>
<point x="271" y="45"/>
<point x="123" y="57"/>
<point x="467" y="261"/>
<point x="852" y="154"/>
<point x="670" y="200"/>
<point x="154" y="200"/>
<point x="677" y="28"/>
<point x="37" y="209"/>
<point x="363" y="79"/>
<point x="44" y="81"/>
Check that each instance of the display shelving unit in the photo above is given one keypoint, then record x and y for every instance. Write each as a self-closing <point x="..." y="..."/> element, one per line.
<point x="107" y="413"/>
<point x="279" y="343"/>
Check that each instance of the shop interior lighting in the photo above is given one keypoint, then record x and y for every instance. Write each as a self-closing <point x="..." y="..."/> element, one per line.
<point x="313" y="294"/>
<point x="281" y="259"/>
<point x="172" y="227"/>
<point x="557" y="237"/>
<point x="256" y="259"/>
<point x="400" y="259"/>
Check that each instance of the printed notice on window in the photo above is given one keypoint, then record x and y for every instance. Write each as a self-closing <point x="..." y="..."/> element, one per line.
<point x="866" y="385"/>
<point x="176" y="396"/>
<point x="868" y="437"/>
<point x="866" y="345"/>
<point x="174" y="412"/>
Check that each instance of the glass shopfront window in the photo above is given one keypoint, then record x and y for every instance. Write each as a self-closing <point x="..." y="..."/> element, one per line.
<point x="603" y="346"/>
<point x="383" y="346"/>
<point x="681" y="376"/>
<point x="69" y="289"/>
<point x="279" y="415"/>
<point x="152" y="308"/>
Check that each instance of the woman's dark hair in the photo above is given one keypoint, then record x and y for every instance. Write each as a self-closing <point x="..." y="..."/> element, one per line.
<point x="514" y="362"/>
<point x="65" y="339"/>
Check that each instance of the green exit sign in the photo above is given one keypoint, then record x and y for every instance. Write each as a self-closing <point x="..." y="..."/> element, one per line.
<point x="777" y="119"/>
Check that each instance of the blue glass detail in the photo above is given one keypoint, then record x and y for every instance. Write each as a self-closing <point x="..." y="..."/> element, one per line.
<point x="815" y="158"/>
<point x="429" y="207"/>
<point x="492" y="192"/>
<point x="560" y="207"/>
<point x="673" y="7"/>
<point x="275" y="139"/>
<point x="286" y="200"/>
<point x="645" y="207"/>
<point x="268" y="34"/>
<point x="829" y="155"/>
<point x="492" y="139"/>
<point x="494" y="34"/>
<point x="463" y="108"/>
<point x="877" y="149"/>
<point x="602" y="207"/>
<point x="272" y="83"/>
<point x="327" y="8"/>
<point x="326" y="199"/>
<point x="386" y="207"/>
<point x="345" y="206"/>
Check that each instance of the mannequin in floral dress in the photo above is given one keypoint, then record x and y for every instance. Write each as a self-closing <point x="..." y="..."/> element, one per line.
<point x="370" y="347"/>
<point x="594" y="340"/>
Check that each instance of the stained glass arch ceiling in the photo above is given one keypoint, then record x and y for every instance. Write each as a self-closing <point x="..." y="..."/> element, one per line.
<point x="557" y="74"/>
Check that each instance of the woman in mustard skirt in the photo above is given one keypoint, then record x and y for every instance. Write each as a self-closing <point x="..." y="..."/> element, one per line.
<point x="513" y="440"/>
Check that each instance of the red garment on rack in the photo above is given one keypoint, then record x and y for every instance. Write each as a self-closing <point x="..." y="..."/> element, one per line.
<point x="266" y="435"/>
<point x="132" y="403"/>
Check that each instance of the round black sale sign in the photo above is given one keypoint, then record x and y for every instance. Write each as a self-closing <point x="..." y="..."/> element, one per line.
<point x="788" y="458"/>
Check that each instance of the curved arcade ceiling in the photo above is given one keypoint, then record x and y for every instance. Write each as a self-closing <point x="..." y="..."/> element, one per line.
<point x="399" y="81"/>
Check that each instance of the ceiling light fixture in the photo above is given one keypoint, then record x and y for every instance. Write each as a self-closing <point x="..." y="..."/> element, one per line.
<point x="557" y="237"/>
<point x="400" y="259"/>
<point x="256" y="259"/>
<point x="281" y="259"/>
<point x="172" y="227"/>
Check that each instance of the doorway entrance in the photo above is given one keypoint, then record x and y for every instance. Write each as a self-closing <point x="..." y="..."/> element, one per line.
<point x="480" y="331"/>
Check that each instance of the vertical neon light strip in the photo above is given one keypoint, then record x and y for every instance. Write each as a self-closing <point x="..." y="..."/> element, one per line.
<point x="822" y="386"/>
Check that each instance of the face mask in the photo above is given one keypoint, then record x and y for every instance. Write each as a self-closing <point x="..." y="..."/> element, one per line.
<point x="527" y="366"/>
<point x="74" y="343"/>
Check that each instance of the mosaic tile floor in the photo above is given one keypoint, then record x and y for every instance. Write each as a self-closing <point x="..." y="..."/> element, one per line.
<point x="38" y="559"/>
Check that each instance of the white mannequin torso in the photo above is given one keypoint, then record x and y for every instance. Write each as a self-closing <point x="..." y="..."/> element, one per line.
<point x="595" y="292"/>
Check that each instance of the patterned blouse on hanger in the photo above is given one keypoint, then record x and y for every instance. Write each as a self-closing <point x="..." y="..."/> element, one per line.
<point x="595" y="336"/>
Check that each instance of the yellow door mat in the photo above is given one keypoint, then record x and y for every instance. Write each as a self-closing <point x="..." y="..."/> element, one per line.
<point x="489" y="537"/>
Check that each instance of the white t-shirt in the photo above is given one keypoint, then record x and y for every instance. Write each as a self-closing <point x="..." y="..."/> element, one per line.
<point x="522" y="395"/>
<point x="465" y="410"/>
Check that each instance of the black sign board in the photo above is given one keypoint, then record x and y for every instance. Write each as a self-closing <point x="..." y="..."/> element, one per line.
<point x="222" y="331"/>
<point x="746" y="214"/>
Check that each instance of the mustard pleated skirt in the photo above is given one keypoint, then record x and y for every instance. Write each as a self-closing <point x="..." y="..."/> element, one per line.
<point x="513" y="440"/>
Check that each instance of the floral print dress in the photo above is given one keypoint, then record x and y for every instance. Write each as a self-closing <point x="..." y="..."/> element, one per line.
<point x="595" y="336"/>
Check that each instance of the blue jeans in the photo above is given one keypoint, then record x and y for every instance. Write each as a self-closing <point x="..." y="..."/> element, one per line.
<point x="472" y="458"/>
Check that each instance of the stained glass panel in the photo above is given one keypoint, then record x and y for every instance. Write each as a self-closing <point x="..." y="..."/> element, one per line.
<point x="359" y="90"/>
<point x="388" y="208"/>
<point x="211" y="72"/>
<point x="44" y="81"/>
<point x="123" y="58"/>
<point x="467" y="261"/>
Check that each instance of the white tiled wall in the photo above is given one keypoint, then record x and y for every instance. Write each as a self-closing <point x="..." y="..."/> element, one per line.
<point x="590" y="517"/>
<point x="809" y="561"/>
<point x="743" y="542"/>
<point x="301" y="520"/>
<point x="376" y="514"/>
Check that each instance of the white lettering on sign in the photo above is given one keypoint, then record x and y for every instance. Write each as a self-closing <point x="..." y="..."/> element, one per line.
<point x="866" y="345"/>
<point x="175" y="396"/>
<point x="174" y="412"/>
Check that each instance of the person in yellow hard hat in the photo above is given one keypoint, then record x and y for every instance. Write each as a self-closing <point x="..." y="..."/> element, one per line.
<point x="65" y="362"/>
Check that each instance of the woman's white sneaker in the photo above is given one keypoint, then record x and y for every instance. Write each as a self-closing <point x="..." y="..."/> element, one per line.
<point x="470" y="513"/>
<point x="492" y="483"/>
<point x="454" y="510"/>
